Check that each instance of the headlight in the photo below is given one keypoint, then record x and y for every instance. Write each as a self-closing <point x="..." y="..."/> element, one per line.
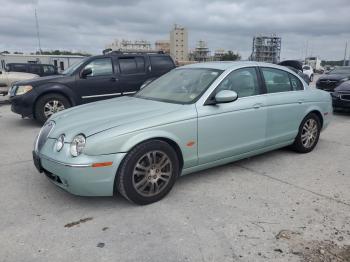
<point x="77" y="145"/>
<point x="23" y="89"/>
<point x="60" y="143"/>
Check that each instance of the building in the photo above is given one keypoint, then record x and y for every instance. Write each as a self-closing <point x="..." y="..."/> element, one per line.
<point x="201" y="52"/>
<point x="266" y="49"/>
<point x="179" y="43"/>
<point x="61" y="62"/>
<point x="128" y="45"/>
<point x="162" y="45"/>
<point x="218" y="54"/>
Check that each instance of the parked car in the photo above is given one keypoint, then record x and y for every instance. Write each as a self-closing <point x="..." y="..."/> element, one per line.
<point x="38" y="69"/>
<point x="307" y="70"/>
<point x="297" y="67"/>
<point x="7" y="79"/>
<point x="192" y="118"/>
<point x="341" y="96"/>
<point x="93" y="78"/>
<point x="334" y="78"/>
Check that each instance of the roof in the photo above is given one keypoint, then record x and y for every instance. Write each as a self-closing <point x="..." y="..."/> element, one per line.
<point x="225" y="65"/>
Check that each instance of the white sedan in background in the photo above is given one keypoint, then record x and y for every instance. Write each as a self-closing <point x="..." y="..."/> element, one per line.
<point x="307" y="70"/>
<point x="8" y="78"/>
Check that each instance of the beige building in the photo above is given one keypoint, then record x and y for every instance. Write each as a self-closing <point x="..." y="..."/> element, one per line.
<point x="179" y="43"/>
<point x="128" y="45"/>
<point x="163" y="45"/>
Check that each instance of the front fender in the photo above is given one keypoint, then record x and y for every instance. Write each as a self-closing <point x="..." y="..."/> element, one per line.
<point x="58" y="88"/>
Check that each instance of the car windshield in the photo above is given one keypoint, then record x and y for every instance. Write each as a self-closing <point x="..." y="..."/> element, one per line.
<point x="341" y="70"/>
<point x="182" y="86"/>
<point x="70" y="70"/>
<point x="306" y="67"/>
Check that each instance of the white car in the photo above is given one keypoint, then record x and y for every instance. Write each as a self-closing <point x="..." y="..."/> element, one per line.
<point x="307" y="70"/>
<point x="8" y="78"/>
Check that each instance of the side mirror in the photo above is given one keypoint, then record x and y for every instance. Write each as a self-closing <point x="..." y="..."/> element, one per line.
<point x="86" y="72"/>
<point x="225" y="96"/>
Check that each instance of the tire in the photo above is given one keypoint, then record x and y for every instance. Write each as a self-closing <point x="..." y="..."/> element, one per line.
<point x="42" y="110"/>
<point x="149" y="165"/>
<point x="309" y="130"/>
<point x="311" y="78"/>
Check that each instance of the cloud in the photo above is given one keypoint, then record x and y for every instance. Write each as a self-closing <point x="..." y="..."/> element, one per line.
<point x="88" y="25"/>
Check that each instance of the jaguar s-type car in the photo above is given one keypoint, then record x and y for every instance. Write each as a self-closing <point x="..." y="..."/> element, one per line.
<point x="192" y="118"/>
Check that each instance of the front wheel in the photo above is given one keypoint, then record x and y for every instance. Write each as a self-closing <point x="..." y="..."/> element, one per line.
<point x="49" y="104"/>
<point x="148" y="172"/>
<point x="308" y="135"/>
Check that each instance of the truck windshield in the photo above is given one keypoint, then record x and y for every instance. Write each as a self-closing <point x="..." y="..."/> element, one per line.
<point x="70" y="70"/>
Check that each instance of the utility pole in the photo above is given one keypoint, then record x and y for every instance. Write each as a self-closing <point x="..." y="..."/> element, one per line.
<point x="346" y="49"/>
<point x="37" y="30"/>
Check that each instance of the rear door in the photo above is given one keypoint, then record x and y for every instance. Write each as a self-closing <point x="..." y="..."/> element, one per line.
<point x="35" y="69"/>
<point x="284" y="103"/>
<point x="160" y="64"/>
<point x="132" y="73"/>
<point x="102" y="83"/>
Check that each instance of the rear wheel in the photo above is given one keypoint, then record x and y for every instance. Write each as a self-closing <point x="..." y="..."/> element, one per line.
<point x="308" y="135"/>
<point x="148" y="172"/>
<point x="49" y="104"/>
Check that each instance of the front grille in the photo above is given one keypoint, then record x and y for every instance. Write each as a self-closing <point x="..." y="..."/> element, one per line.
<point x="327" y="84"/>
<point x="43" y="134"/>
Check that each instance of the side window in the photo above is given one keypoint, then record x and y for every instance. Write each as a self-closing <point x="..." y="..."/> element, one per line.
<point x="18" y="68"/>
<point x="243" y="81"/>
<point x="48" y="69"/>
<point x="100" y="67"/>
<point x="276" y="80"/>
<point x="131" y="65"/>
<point x="161" y="63"/>
<point x="296" y="83"/>
<point x="35" y="69"/>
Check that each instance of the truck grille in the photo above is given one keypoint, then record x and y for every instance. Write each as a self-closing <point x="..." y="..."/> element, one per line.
<point x="327" y="84"/>
<point x="43" y="134"/>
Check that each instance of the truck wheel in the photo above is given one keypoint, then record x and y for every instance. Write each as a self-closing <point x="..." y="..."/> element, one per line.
<point x="49" y="104"/>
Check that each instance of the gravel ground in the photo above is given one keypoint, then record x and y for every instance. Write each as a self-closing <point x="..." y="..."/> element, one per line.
<point x="280" y="206"/>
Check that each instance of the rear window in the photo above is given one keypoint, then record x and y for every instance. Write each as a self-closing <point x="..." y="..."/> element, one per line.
<point x="160" y="63"/>
<point x="306" y="68"/>
<point x="132" y="65"/>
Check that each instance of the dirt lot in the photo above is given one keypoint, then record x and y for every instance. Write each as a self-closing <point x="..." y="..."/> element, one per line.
<point x="280" y="206"/>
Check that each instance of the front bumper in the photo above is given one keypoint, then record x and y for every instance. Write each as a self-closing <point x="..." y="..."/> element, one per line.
<point x="23" y="104"/>
<point x="81" y="179"/>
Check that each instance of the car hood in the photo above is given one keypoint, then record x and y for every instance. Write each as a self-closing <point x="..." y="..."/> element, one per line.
<point x="333" y="77"/>
<point x="343" y="87"/>
<point x="42" y="80"/>
<point x="96" y="117"/>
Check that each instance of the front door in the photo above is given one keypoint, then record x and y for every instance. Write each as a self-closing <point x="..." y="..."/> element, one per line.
<point x="230" y="129"/>
<point x="102" y="83"/>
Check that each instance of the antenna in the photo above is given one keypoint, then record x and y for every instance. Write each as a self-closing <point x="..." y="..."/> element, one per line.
<point x="37" y="30"/>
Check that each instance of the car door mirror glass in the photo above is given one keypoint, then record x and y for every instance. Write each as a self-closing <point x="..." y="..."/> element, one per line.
<point x="225" y="96"/>
<point x="86" y="72"/>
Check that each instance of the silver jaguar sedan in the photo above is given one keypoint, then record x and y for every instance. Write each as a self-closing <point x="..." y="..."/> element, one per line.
<point x="192" y="118"/>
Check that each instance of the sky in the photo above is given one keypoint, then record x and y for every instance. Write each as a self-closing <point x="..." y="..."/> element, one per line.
<point x="307" y="27"/>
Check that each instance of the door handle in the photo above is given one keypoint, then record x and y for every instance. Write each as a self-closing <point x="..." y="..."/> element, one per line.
<point x="114" y="79"/>
<point x="301" y="101"/>
<point x="257" y="106"/>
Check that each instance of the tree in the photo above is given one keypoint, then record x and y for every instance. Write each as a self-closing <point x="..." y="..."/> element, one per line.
<point x="4" y="52"/>
<point x="230" y="56"/>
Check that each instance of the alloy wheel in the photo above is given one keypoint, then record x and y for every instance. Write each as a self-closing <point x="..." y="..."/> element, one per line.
<point x="53" y="106"/>
<point x="152" y="173"/>
<point x="309" y="133"/>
